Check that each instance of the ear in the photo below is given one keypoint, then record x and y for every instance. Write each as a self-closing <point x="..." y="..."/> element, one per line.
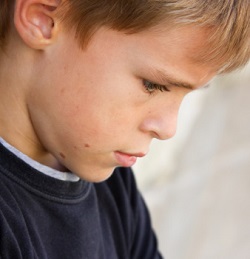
<point x="35" y="21"/>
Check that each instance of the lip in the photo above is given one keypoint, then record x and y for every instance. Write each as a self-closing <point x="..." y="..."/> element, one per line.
<point x="127" y="160"/>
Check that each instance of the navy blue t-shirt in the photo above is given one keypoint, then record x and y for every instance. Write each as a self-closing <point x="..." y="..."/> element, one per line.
<point x="46" y="218"/>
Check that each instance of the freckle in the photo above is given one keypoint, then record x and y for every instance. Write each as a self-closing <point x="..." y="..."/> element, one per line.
<point x="87" y="145"/>
<point x="62" y="155"/>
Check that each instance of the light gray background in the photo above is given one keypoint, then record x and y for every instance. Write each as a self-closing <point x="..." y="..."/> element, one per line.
<point x="197" y="185"/>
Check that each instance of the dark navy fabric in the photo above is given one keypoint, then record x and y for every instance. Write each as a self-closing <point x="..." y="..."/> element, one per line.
<point x="42" y="217"/>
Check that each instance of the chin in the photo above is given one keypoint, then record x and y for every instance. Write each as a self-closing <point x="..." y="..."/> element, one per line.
<point x="96" y="175"/>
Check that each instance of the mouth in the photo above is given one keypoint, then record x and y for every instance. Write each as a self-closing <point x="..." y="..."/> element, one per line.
<point x="127" y="160"/>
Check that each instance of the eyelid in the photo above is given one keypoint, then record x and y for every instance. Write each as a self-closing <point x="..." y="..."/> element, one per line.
<point x="154" y="87"/>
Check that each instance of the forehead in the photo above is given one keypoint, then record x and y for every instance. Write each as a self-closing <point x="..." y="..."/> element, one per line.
<point x="189" y="40"/>
<point x="178" y="50"/>
<point x="161" y="52"/>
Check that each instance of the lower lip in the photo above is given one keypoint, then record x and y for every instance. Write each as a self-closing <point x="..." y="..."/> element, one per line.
<point x="125" y="159"/>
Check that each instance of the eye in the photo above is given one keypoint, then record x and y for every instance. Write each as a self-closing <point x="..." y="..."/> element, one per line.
<point x="152" y="87"/>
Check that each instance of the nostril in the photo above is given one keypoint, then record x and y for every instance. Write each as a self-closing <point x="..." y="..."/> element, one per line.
<point x="160" y="129"/>
<point x="164" y="134"/>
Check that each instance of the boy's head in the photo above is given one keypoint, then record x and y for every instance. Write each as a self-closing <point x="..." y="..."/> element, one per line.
<point x="226" y="20"/>
<point x="93" y="108"/>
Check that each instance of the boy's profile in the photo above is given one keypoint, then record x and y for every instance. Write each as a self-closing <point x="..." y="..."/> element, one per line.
<point x="84" y="88"/>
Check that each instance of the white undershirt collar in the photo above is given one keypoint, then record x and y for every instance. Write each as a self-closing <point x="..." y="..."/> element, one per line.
<point x="64" y="176"/>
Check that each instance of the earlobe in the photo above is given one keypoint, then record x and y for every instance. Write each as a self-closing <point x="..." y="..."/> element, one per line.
<point x="35" y="21"/>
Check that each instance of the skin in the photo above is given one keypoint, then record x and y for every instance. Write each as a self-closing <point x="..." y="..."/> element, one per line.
<point x="73" y="108"/>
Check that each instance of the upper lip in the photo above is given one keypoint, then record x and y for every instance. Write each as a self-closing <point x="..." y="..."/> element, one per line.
<point x="140" y="154"/>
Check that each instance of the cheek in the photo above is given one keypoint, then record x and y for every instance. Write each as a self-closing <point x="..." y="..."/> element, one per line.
<point x="89" y="121"/>
<point x="98" y="112"/>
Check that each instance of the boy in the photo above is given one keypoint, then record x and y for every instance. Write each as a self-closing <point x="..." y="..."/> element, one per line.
<point x="84" y="87"/>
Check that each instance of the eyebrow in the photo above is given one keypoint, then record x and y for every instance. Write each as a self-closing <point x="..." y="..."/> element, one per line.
<point x="161" y="76"/>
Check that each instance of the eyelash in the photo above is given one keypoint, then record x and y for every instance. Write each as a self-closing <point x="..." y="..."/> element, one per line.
<point x="152" y="87"/>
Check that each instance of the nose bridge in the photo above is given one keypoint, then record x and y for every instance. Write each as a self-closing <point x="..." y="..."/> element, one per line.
<point x="161" y="121"/>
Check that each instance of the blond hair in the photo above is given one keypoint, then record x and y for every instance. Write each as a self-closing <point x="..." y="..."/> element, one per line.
<point x="229" y="21"/>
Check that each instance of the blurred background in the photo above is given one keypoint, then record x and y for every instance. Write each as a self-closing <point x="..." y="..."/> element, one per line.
<point x="197" y="185"/>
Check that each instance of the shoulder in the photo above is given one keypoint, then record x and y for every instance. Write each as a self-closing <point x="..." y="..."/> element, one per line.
<point x="14" y="235"/>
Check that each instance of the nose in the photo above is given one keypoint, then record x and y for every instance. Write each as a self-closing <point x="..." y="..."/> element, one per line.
<point x="161" y="123"/>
